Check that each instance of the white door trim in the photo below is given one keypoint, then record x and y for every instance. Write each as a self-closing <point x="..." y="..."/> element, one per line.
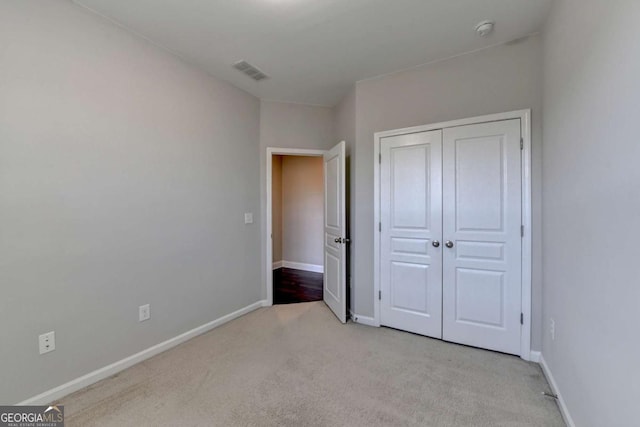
<point x="273" y="151"/>
<point x="525" y="123"/>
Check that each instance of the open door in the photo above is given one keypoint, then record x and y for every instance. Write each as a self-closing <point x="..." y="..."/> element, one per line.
<point x="335" y="241"/>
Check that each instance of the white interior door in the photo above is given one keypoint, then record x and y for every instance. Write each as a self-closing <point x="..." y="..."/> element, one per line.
<point x="335" y="239"/>
<point x="411" y="231"/>
<point x="482" y="231"/>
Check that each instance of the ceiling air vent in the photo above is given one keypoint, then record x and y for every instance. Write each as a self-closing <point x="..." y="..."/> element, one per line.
<point x="250" y="70"/>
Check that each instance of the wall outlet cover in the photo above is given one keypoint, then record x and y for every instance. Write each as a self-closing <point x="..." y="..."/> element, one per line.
<point x="144" y="312"/>
<point x="47" y="342"/>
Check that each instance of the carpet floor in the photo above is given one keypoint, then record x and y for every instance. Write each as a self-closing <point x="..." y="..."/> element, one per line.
<point x="296" y="365"/>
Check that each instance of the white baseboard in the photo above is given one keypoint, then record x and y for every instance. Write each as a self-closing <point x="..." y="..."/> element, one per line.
<point x="534" y="356"/>
<point x="363" y="320"/>
<point x="303" y="266"/>
<point x="104" y="372"/>
<point x="277" y="265"/>
<point x="554" y="388"/>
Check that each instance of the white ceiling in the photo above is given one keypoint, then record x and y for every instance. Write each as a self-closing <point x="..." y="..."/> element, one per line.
<point x="314" y="50"/>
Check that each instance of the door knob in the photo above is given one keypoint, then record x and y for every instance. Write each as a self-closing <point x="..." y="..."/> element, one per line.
<point x="338" y="240"/>
<point x="435" y="243"/>
<point x="449" y="244"/>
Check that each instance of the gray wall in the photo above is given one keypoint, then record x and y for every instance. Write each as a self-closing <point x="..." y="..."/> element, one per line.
<point x="124" y="176"/>
<point x="344" y="117"/>
<point x="494" y="80"/>
<point x="591" y="208"/>
<point x="302" y="209"/>
<point x="286" y="125"/>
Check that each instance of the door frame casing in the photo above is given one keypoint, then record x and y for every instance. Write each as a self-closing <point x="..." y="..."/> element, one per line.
<point x="274" y="151"/>
<point x="525" y="129"/>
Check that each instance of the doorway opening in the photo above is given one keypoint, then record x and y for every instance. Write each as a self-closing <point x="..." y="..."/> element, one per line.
<point x="333" y="231"/>
<point x="297" y="226"/>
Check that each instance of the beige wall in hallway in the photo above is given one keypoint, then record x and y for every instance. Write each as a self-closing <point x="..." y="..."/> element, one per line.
<point x="276" y="207"/>
<point x="302" y="209"/>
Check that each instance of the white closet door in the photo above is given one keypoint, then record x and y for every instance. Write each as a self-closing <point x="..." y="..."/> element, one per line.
<point x="481" y="229"/>
<point x="411" y="214"/>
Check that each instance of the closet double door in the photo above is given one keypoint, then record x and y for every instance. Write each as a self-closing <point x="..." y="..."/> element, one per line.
<point x="451" y="248"/>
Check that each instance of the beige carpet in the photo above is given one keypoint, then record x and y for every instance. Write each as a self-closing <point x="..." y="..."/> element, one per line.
<point x="295" y="365"/>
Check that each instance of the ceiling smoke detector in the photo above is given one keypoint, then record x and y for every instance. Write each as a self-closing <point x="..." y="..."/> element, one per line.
<point x="485" y="28"/>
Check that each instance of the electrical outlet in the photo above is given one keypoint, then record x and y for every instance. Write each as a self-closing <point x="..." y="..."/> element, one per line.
<point x="248" y="218"/>
<point x="552" y="329"/>
<point x="144" y="312"/>
<point x="47" y="342"/>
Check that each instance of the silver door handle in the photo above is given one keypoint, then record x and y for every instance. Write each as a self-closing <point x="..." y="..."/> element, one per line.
<point x="435" y="243"/>
<point x="449" y="244"/>
<point x="338" y="240"/>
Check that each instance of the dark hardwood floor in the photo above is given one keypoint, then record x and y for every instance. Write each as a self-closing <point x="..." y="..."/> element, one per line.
<point x="291" y="286"/>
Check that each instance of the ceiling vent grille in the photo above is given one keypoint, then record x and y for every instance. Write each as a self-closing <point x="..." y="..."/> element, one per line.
<point x="250" y="70"/>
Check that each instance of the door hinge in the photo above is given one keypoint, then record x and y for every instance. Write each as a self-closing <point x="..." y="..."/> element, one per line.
<point x="521" y="143"/>
<point x="380" y="227"/>
<point x="522" y="318"/>
<point x="380" y="158"/>
<point x="379" y="295"/>
<point x="522" y="231"/>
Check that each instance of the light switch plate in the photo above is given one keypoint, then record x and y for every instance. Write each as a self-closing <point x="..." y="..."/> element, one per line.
<point x="248" y="218"/>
